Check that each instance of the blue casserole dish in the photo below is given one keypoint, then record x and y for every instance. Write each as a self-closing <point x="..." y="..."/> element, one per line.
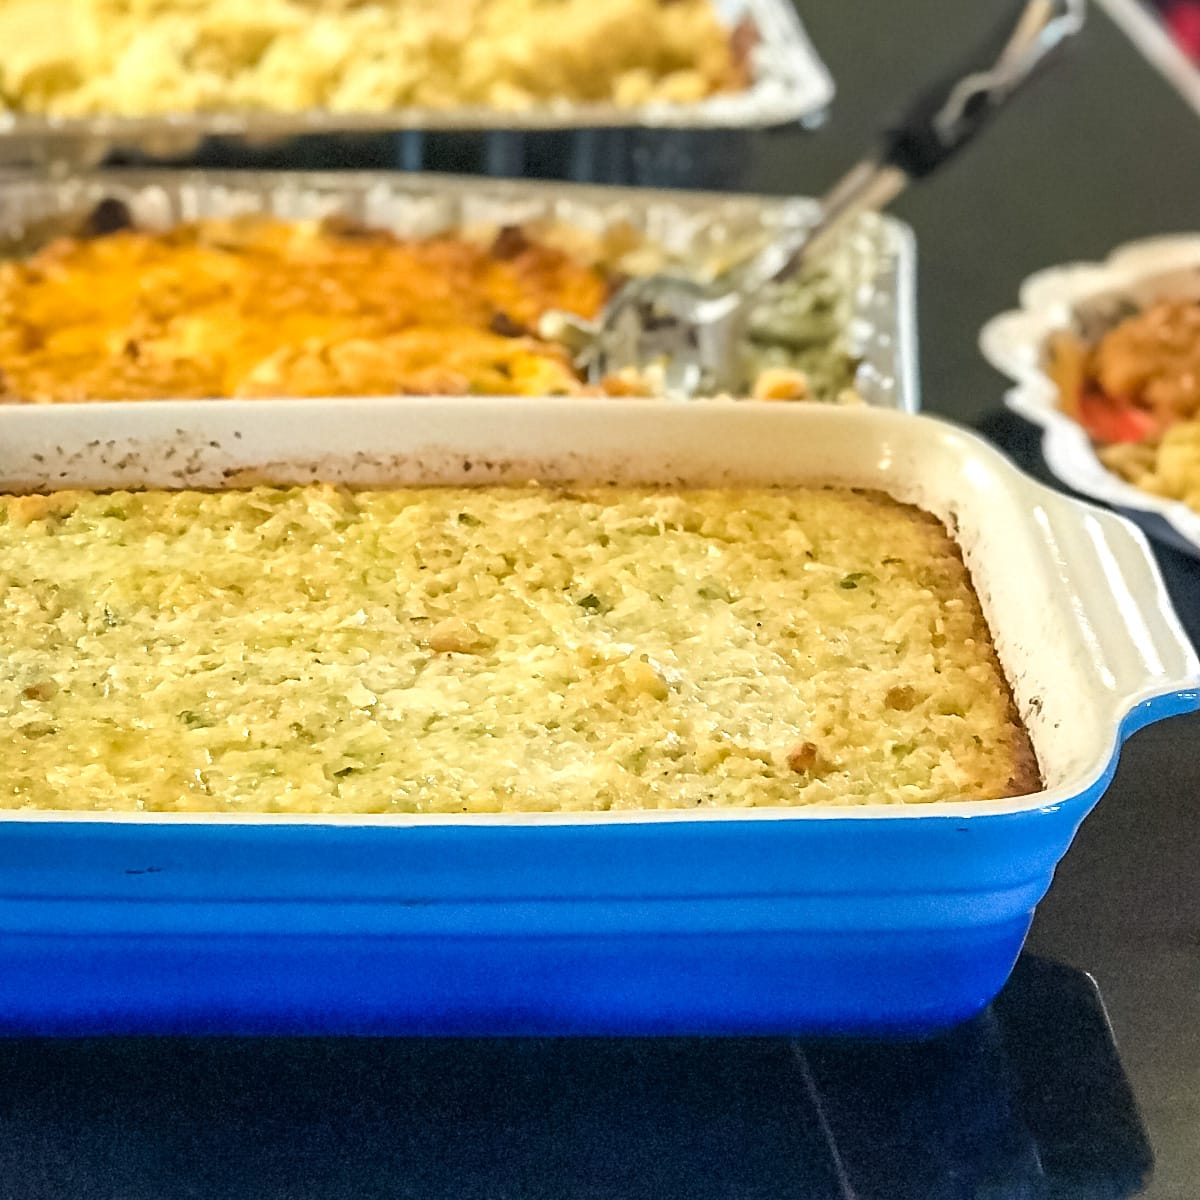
<point x="881" y="920"/>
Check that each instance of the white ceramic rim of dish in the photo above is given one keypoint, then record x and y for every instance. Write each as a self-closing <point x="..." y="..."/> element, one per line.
<point x="1013" y="341"/>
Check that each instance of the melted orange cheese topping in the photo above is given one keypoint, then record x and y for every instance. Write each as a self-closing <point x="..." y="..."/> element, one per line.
<point x="259" y="307"/>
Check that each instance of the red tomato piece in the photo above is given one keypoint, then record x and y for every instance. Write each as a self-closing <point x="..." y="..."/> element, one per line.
<point x="1111" y="421"/>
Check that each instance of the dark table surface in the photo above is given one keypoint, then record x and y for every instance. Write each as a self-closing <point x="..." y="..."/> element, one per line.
<point x="1030" y="1100"/>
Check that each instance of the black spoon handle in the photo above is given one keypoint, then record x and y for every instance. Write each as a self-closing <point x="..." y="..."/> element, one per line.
<point x="943" y="119"/>
<point x="938" y="124"/>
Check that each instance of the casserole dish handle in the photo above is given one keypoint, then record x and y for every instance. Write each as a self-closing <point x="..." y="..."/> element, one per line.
<point x="1143" y="657"/>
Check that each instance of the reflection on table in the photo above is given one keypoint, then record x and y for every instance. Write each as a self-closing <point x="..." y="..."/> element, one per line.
<point x="1029" y="1100"/>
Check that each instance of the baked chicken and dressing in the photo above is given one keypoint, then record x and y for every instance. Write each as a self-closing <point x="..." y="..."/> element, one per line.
<point x="472" y="650"/>
<point x="254" y="306"/>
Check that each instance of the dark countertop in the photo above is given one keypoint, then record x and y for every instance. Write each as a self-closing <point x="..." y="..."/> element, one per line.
<point x="1028" y="1102"/>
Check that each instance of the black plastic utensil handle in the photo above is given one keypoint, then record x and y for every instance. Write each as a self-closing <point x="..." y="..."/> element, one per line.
<point x="947" y="116"/>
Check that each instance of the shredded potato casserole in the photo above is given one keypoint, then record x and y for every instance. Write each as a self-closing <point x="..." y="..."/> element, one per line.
<point x="146" y="57"/>
<point x="457" y="650"/>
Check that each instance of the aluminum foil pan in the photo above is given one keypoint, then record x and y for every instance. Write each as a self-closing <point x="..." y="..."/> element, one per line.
<point x="873" y="269"/>
<point x="788" y="82"/>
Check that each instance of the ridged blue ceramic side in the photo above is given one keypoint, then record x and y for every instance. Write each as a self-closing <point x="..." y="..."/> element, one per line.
<point x="760" y="926"/>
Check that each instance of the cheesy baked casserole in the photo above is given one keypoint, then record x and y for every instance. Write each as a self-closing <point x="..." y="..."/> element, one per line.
<point x="258" y="307"/>
<point x="145" y="57"/>
<point x="455" y="650"/>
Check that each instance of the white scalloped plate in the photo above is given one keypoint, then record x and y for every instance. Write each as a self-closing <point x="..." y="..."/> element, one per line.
<point x="1079" y="294"/>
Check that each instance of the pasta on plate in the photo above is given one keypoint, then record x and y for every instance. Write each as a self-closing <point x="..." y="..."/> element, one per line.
<point x="1136" y="390"/>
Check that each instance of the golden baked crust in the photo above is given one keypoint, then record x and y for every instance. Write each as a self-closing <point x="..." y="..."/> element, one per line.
<point x="258" y="307"/>
<point x="457" y="650"/>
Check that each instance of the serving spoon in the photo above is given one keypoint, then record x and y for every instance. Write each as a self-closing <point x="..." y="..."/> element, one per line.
<point x="690" y="330"/>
